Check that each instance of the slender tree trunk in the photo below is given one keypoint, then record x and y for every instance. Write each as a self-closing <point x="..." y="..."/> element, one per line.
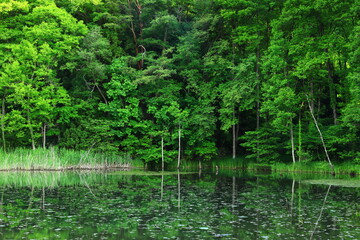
<point x="44" y="135"/>
<point x="31" y="130"/>
<point x="234" y="136"/>
<point x="179" y="153"/>
<point x="162" y="154"/>
<point x="312" y="94"/>
<point x="257" y="101"/>
<point x="321" y="136"/>
<point x="334" y="115"/>
<point x="132" y="28"/>
<point x="300" y="140"/>
<point x="292" y="141"/>
<point x="3" y="123"/>
<point x="101" y="93"/>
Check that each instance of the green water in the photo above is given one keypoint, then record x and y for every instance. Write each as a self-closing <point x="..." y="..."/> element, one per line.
<point x="237" y="205"/>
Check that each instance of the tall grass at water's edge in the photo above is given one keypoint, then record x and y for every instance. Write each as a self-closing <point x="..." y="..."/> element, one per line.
<point x="61" y="159"/>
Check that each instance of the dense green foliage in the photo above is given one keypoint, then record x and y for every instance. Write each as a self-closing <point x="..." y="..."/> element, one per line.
<point x="119" y="76"/>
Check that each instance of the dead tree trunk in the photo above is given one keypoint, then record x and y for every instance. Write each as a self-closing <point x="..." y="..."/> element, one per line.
<point x="320" y="134"/>
<point x="292" y="140"/>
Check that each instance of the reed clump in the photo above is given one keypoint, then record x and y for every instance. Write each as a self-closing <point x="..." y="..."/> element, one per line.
<point x="62" y="159"/>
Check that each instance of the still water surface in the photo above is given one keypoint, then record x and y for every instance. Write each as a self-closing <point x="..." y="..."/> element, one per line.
<point x="237" y="205"/>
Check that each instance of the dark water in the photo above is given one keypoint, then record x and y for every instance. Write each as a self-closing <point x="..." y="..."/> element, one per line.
<point x="189" y="206"/>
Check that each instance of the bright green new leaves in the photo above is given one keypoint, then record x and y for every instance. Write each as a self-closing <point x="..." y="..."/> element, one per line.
<point x="33" y="88"/>
<point x="8" y="6"/>
<point x="34" y="98"/>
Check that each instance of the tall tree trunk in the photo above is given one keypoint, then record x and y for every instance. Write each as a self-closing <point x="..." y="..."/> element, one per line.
<point x="321" y="136"/>
<point x="300" y="138"/>
<point x="31" y="130"/>
<point x="162" y="154"/>
<point x="334" y="114"/>
<point x="44" y="135"/>
<point x="132" y="29"/>
<point x="257" y="101"/>
<point x="292" y="141"/>
<point x="3" y="123"/>
<point x="179" y="153"/>
<point x="234" y="136"/>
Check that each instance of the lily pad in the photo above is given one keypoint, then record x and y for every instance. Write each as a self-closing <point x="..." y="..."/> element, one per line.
<point x="335" y="182"/>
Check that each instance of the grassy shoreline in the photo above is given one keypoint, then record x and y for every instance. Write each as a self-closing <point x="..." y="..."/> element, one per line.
<point x="299" y="167"/>
<point x="58" y="159"/>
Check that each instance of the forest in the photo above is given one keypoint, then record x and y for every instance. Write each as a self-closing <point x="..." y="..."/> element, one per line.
<point x="272" y="80"/>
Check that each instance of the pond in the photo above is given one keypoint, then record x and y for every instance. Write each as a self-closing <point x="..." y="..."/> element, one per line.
<point x="143" y="205"/>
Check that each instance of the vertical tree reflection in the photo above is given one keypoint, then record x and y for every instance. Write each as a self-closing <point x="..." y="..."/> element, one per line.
<point x="321" y="211"/>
